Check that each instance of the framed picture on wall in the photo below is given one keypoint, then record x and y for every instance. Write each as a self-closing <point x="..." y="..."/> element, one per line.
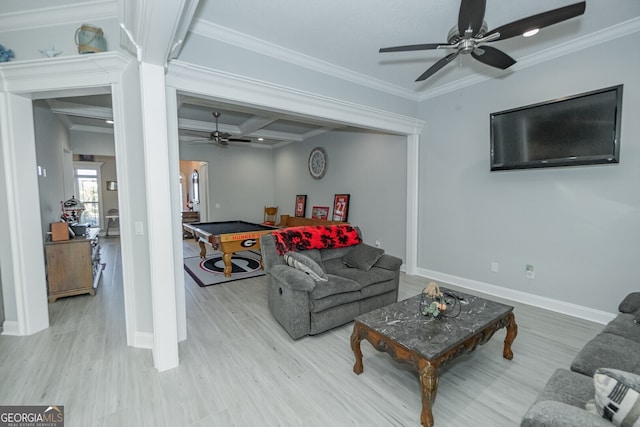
<point x="340" y="207"/>
<point x="301" y="205"/>
<point x="320" y="212"/>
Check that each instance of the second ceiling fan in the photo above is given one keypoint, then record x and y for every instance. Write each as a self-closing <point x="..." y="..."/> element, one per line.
<point x="470" y="35"/>
<point x="222" y="138"/>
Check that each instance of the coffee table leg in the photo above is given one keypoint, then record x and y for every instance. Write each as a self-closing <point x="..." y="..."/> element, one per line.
<point x="355" y="346"/>
<point x="512" y="331"/>
<point x="429" y="388"/>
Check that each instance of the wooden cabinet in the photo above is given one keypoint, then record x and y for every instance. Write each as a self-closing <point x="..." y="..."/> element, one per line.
<point x="73" y="266"/>
<point x="190" y="216"/>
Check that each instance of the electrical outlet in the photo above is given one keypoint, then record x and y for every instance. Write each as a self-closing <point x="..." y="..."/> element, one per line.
<point x="530" y="271"/>
<point x="495" y="267"/>
<point x="377" y="243"/>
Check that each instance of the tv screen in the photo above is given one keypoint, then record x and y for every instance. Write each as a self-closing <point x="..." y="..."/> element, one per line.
<point x="577" y="130"/>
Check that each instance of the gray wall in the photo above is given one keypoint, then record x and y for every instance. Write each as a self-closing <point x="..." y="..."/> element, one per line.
<point x="51" y="139"/>
<point x="578" y="226"/>
<point x="240" y="180"/>
<point x="370" y="167"/>
<point x="98" y="143"/>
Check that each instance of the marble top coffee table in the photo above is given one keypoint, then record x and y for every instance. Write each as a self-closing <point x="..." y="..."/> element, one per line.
<point x="428" y="345"/>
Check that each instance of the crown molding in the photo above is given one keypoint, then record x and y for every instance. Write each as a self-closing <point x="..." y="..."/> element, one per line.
<point x="58" y="15"/>
<point x="96" y="69"/>
<point x="244" y="41"/>
<point x="80" y="110"/>
<point x="605" y="35"/>
<point x="201" y="81"/>
<point x="92" y="129"/>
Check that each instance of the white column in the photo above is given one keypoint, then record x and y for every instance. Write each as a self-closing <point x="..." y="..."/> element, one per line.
<point x="21" y="251"/>
<point x="411" y="263"/>
<point x="159" y="208"/>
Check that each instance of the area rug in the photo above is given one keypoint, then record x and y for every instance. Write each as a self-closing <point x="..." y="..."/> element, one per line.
<point x="210" y="270"/>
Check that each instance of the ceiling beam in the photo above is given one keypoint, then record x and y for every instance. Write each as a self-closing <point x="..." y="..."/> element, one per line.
<point x="79" y="110"/>
<point x="255" y="123"/>
<point x="319" y="131"/>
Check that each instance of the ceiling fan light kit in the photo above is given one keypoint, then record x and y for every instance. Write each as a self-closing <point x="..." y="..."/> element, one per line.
<point x="223" y="138"/>
<point x="470" y="35"/>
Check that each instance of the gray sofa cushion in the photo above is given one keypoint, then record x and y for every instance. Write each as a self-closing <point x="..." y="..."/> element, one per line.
<point x="631" y="303"/>
<point x="562" y="402"/>
<point x="365" y="278"/>
<point x="608" y="351"/>
<point x="623" y="324"/>
<point x="558" y="414"/>
<point x="335" y="253"/>
<point x="568" y="387"/>
<point x="335" y="285"/>
<point x="363" y="256"/>
<point x="378" y="288"/>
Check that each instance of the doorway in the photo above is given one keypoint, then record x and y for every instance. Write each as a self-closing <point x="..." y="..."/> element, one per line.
<point x="194" y="188"/>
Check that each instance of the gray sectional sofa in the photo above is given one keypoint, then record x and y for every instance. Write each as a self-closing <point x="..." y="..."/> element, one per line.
<point x="355" y="279"/>
<point x="568" y="393"/>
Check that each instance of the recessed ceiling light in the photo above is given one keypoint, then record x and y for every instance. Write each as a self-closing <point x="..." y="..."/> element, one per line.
<point x="260" y="139"/>
<point x="109" y="121"/>
<point x="530" y="33"/>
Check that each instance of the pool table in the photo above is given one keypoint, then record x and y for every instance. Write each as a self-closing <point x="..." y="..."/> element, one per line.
<point x="227" y="237"/>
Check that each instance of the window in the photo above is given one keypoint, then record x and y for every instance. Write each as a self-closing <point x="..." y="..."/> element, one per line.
<point x="195" y="182"/>
<point x="87" y="188"/>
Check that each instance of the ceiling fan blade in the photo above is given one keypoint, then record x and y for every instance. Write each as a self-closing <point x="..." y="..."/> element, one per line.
<point x="427" y="46"/>
<point x="239" y="140"/>
<point x="541" y="20"/>
<point x="438" y="66"/>
<point x="470" y="17"/>
<point x="493" y="57"/>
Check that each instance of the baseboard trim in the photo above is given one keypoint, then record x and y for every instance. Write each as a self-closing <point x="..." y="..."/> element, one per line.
<point x="557" y="306"/>
<point x="10" y="327"/>
<point x="143" y="340"/>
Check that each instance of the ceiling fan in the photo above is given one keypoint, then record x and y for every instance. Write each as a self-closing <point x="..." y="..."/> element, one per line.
<point x="470" y="35"/>
<point x="222" y="138"/>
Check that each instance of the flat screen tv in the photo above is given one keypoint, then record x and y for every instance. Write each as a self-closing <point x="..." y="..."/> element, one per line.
<point x="577" y="130"/>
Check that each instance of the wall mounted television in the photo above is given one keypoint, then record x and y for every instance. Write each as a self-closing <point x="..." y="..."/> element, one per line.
<point x="582" y="129"/>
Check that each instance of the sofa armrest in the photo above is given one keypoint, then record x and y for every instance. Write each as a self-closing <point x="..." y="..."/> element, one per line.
<point x="294" y="279"/>
<point x="550" y="413"/>
<point x="389" y="262"/>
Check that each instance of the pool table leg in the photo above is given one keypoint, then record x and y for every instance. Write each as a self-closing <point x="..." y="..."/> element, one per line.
<point x="226" y="257"/>
<point x="203" y="249"/>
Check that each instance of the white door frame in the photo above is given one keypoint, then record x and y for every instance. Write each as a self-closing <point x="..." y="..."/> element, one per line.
<point x="23" y="82"/>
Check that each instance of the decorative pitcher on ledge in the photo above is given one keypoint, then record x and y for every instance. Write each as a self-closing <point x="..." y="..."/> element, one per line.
<point x="90" y="39"/>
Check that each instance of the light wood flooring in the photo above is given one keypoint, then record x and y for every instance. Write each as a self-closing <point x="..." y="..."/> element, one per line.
<point x="238" y="367"/>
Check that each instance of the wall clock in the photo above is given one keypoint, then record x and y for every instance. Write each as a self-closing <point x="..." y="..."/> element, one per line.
<point x="318" y="162"/>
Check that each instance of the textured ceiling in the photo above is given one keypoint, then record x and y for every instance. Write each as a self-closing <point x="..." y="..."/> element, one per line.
<point x="349" y="34"/>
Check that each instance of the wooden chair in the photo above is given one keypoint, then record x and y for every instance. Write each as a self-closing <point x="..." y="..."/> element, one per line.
<point x="270" y="215"/>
